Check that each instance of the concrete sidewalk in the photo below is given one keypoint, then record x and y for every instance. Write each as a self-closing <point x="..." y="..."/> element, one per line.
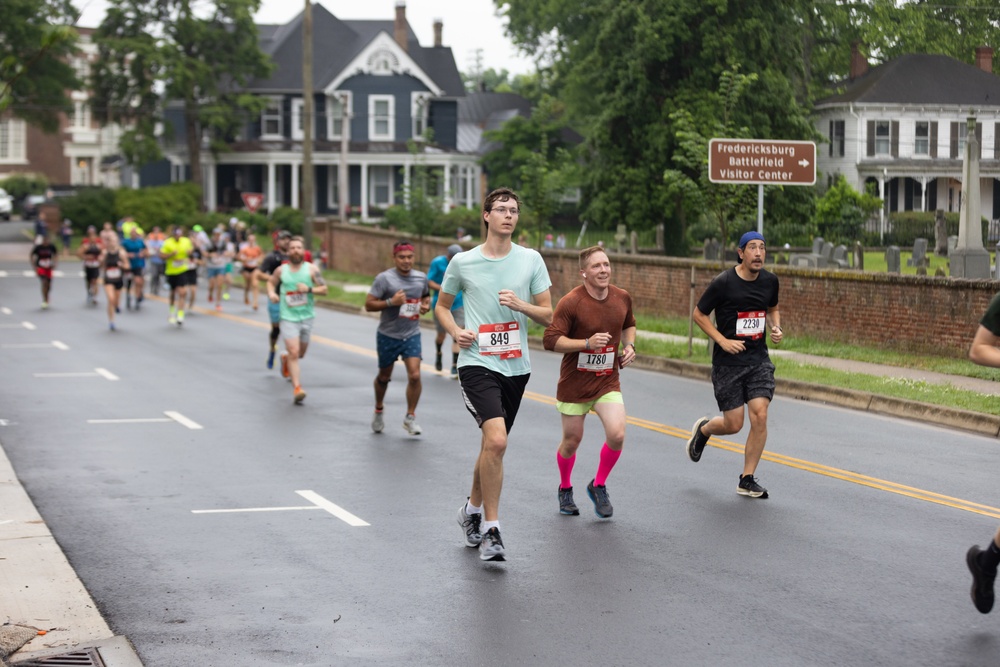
<point x="40" y="594"/>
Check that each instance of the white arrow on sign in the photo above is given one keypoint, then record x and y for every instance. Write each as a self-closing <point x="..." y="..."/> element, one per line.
<point x="803" y="163"/>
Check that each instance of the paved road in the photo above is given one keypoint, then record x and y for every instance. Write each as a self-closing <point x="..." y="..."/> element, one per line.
<point x="125" y="439"/>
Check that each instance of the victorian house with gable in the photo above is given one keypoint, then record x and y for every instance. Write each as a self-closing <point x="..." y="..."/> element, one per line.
<point x="902" y="127"/>
<point x="372" y="80"/>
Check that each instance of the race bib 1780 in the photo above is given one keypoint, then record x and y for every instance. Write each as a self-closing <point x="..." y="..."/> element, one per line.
<point x="750" y="324"/>
<point x="501" y="340"/>
<point x="600" y="361"/>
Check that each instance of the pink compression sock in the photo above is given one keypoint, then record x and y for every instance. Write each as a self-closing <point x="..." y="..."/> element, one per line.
<point x="565" y="470"/>
<point x="609" y="458"/>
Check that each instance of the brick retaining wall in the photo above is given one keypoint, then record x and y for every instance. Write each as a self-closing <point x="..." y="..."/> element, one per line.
<point x="908" y="313"/>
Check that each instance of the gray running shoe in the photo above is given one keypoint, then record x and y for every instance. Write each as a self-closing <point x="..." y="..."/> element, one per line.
<point x="698" y="440"/>
<point x="411" y="426"/>
<point x="749" y="487"/>
<point x="566" y="504"/>
<point x="602" y="503"/>
<point x="470" y="524"/>
<point x="377" y="423"/>
<point x="491" y="548"/>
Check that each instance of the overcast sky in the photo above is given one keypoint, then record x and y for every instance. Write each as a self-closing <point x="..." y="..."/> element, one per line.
<point x="468" y="25"/>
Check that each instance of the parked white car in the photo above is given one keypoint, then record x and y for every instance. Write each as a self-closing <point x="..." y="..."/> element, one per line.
<point x="6" y="204"/>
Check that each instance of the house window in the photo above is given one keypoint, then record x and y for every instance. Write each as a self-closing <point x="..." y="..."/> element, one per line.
<point x="836" y="138"/>
<point x="381" y="118"/>
<point x="882" y="137"/>
<point x="81" y="68"/>
<point x="12" y="140"/>
<point x="419" y="108"/>
<point x="922" y="138"/>
<point x="335" y="114"/>
<point x="298" y="120"/>
<point x="380" y="189"/>
<point x="81" y="114"/>
<point x="270" y="119"/>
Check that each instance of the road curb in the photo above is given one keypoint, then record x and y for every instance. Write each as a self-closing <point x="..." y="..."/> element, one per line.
<point x="966" y="420"/>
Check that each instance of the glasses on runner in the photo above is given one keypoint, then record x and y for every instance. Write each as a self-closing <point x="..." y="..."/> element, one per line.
<point x="502" y="210"/>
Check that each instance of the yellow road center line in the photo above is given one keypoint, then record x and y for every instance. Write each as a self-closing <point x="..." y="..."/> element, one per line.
<point x="719" y="443"/>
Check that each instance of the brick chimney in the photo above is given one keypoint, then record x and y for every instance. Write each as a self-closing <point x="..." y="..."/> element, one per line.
<point x="438" y="27"/>
<point x="400" y="27"/>
<point x="984" y="58"/>
<point x="859" y="64"/>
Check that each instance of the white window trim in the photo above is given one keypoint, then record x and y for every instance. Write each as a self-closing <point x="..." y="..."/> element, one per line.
<point x="331" y="98"/>
<point x="372" y="101"/>
<point x="16" y="127"/>
<point x="264" y="134"/>
<point x="81" y="111"/>
<point x="372" y="202"/>
<point x="420" y="103"/>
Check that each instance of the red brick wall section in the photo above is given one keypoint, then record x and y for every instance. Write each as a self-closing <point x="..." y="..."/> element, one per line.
<point x="934" y="315"/>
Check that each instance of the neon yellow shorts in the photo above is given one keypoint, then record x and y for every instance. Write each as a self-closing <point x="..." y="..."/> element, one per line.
<point x="577" y="409"/>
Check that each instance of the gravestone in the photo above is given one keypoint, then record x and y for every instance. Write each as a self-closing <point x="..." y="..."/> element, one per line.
<point x="892" y="261"/>
<point x="634" y="243"/>
<point x="839" y="258"/>
<point x="818" y="245"/>
<point x="859" y="256"/>
<point x="825" y="255"/>
<point x="802" y="261"/>
<point x="919" y="257"/>
<point x="952" y="244"/>
<point x="940" y="234"/>
<point x="711" y="249"/>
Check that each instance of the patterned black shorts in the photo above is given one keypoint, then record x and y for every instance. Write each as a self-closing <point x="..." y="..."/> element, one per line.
<point x="737" y="385"/>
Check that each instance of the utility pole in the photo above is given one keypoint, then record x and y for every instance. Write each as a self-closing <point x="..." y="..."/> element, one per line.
<point x="342" y="180"/>
<point x="308" y="108"/>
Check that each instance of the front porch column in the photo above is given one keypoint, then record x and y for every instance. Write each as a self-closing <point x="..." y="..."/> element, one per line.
<point x="295" y="185"/>
<point x="210" y="196"/>
<point x="271" y="190"/>
<point x="364" y="191"/>
<point x="407" y="195"/>
<point x="923" y="193"/>
<point x="470" y="187"/>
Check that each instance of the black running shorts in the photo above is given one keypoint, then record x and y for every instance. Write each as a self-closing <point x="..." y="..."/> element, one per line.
<point x="489" y="394"/>
<point x="737" y="385"/>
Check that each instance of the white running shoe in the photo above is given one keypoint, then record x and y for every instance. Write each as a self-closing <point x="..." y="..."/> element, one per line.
<point x="377" y="423"/>
<point x="411" y="426"/>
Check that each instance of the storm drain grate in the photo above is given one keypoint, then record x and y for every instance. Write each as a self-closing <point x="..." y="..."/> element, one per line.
<point x="88" y="657"/>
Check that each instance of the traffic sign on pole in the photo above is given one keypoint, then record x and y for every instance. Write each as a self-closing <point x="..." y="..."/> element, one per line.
<point x="762" y="162"/>
<point x="252" y="200"/>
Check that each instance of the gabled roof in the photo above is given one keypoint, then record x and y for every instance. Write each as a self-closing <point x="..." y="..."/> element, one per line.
<point x="921" y="79"/>
<point x="336" y="43"/>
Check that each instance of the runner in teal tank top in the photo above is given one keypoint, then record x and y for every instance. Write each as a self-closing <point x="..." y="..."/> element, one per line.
<point x="292" y="287"/>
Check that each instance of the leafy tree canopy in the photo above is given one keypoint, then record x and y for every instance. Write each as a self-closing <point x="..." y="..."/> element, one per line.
<point x="37" y="40"/>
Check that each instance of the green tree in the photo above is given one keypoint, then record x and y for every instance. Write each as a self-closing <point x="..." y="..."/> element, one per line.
<point x="421" y="202"/>
<point x="688" y="184"/>
<point x="842" y="211"/>
<point x="200" y="58"/>
<point x="37" y="40"/>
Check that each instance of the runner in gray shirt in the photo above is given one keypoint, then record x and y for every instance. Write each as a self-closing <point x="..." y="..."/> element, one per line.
<point x="402" y="295"/>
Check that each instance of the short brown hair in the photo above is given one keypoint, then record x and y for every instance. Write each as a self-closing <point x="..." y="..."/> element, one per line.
<point x="500" y="194"/>
<point x="587" y="252"/>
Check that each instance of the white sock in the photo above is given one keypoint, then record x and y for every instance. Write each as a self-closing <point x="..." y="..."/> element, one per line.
<point x="486" y="525"/>
<point x="472" y="509"/>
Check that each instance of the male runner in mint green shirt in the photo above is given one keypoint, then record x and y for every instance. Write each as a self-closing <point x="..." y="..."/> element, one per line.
<point x="502" y="285"/>
<point x="292" y="287"/>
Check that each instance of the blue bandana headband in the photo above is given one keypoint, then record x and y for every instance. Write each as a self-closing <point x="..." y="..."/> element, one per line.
<point x="748" y="237"/>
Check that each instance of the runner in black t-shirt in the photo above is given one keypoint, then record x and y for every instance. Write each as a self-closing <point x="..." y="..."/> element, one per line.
<point x="274" y="259"/>
<point x="983" y="562"/>
<point x="43" y="258"/>
<point x="745" y="301"/>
